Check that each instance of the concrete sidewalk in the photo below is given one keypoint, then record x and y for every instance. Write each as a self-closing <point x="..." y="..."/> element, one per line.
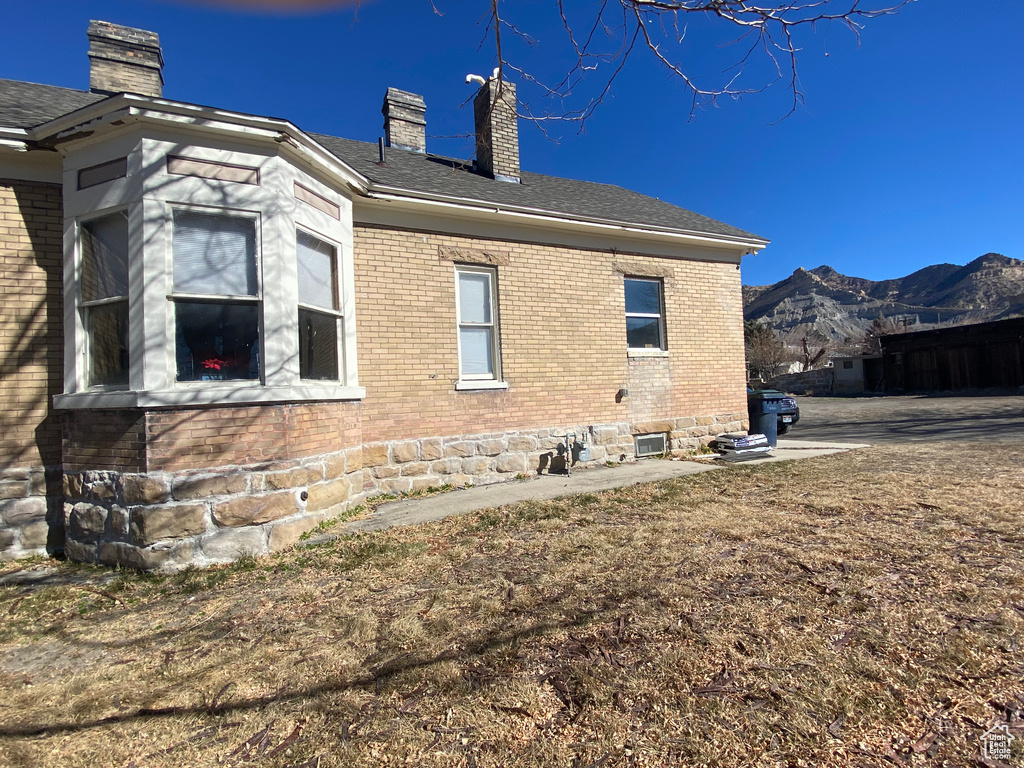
<point x="437" y="507"/>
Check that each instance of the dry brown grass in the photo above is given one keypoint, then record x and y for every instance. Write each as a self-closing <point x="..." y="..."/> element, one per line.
<point x="860" y="609"/>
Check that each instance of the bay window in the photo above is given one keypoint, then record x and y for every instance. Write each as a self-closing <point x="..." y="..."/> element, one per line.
<point x="319" y="307"/>
<point x="216" y="296"/>
<point x="104" y="298"/>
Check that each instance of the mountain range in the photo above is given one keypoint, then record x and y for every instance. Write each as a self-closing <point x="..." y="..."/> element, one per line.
<point x="842" y="308"/>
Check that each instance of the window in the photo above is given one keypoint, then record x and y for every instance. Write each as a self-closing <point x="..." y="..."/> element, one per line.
<point x="478" y="330"/>
<point x="645" y="327"/>
<point x="319" y="308"/>
<point x="216" y="297"/>
<point x="104" y="299"/>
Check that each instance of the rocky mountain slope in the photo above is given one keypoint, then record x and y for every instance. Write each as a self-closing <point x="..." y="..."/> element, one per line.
<point x="842" y="308"/>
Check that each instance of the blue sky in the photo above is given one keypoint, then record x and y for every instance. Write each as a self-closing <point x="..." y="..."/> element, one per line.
<point x="909" y="150"/>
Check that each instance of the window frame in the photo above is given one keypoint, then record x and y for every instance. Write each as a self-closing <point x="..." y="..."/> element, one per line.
<point x="173" y="297"/>
<point x="662" y="347"/>
<point x="336" y="313"/>
<point x="85" y="308"/>
<point x="494" y="379"/>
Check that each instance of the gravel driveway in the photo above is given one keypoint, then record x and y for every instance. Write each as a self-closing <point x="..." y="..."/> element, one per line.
<point x="896" y="419"/>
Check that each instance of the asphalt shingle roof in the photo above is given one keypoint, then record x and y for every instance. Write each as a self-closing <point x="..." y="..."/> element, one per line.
<point x="26" y="105"/>
<point x="431" y="174"/>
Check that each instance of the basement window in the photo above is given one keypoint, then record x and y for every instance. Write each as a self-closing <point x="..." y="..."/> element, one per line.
<point x="651" y="445"/>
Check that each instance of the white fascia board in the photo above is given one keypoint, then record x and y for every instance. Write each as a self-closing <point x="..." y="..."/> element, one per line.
<point x="435" y="205"/>
<point x="248" y="127"/>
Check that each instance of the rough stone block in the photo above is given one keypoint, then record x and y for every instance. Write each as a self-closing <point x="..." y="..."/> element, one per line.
<point x="404" y="452"/>
<point x="475" y="466"/>
<point x="431" y="449"/>
<point x="117" y="521"/>
<point x="103" y="490"/>
<point x="522" y="443"/>
<point x="295" y="478"/>
<point x="385" y="471"/>
<point x="129" y="556"/>
<point x="603" y="436"/>
<point x="335" y="466"/>
<point x="144" y="489"/>
<point x="551" y="443"/>
<point x="648" y="427"/>
<point x="201" y="487"/>
<point x="415" y="468"/>
<point x="232" y="543"/>
<point x="684" y="423"/>
<point x="15" y="473"/>
<point x="33" y="535"/>
<point x="354" y="457"/>
<point x="598" y="453"/>
<point x="396" y="485"/>
<point x="80" y="552"/>
<point x="422" y="483"/>
<point x="460" y="449"/>
<point x="510" y="462"/>
<point x="87" y="522"/>
<point x="37" y="482"/>
<point x="285" y="534"/>
<point x="324" y="495"/>
<point x="446" y="466"/>
<point x="375" y="454"/>
<point x="490" y="447"/>
<point x="152" y="524"/>
<point x="13" y="489"/>
<point x="254" y="510"/>
<point x="6" y="538"/>
<point x="459" y="480"/>
<point x="705" y="421"/>
<point x="72" y="486"/>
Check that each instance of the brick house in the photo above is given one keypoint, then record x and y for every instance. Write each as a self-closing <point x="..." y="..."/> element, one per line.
<point x="220" y="330"/>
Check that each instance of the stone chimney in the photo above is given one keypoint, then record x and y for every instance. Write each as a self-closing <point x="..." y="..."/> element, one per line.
<point x="124" y="60"/>
<point x="405" y="125"/>
<point x="497" y="130"/>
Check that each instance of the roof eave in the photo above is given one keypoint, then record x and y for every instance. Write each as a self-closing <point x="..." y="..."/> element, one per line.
<point x="196" y="117"/>
<point x="384" y="192"/>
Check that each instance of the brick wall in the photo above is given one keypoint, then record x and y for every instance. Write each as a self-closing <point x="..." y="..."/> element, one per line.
<point x="562" y="328"/>
<point x="31" y="370"/>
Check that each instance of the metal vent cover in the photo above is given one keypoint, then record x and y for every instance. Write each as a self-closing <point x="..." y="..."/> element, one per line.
<point x="651" y="445"/>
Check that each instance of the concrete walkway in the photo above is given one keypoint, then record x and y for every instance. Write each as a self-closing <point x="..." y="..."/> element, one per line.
<point x="437" y="507"/>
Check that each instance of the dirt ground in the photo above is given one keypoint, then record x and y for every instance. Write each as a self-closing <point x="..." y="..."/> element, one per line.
<point x="895" y="419"/>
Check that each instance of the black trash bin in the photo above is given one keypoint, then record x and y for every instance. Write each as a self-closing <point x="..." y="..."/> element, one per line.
<point x="763" y="409"/>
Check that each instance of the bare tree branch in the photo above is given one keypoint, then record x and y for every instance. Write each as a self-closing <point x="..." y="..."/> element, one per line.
<point x="603" y="38"/>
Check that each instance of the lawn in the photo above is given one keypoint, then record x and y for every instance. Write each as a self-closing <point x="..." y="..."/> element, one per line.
<point x="858" y="609"/>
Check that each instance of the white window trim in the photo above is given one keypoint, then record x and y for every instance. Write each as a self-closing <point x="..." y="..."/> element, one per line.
<point x="659" y="351"/>
<point x="480" y="381"/>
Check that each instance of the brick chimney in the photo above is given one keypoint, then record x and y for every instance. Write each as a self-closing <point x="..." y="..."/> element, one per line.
<point x="124" y="60"/>
<point x="405" y="124"/>
<point x="497" y="130"/>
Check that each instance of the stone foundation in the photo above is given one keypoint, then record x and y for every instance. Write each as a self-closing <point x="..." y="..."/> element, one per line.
<point x="24" y="527"/>
<point x="168" y="520"/>
<point x="406" y="466"/>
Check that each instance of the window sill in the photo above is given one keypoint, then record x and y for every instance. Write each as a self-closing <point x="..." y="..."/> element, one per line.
<point x="238" y="394"/>
<point x="483" y="384"/>
<point x="647" y="352"/>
